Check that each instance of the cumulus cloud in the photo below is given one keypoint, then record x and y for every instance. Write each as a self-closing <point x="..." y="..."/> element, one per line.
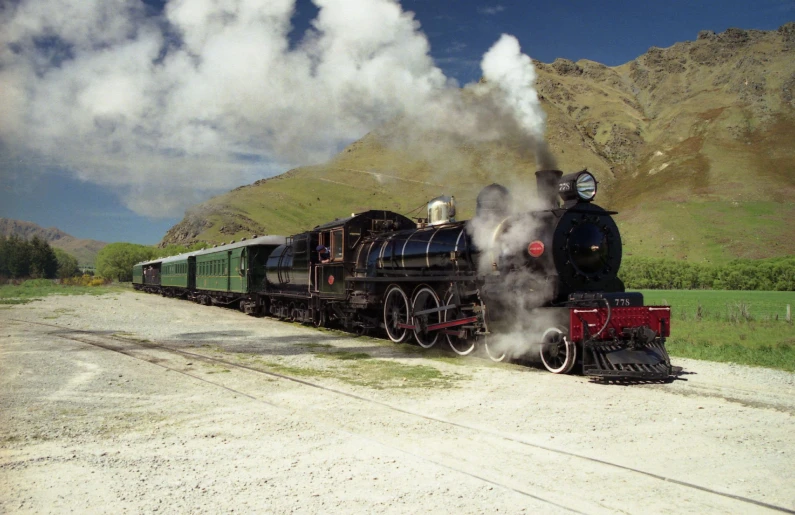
<point x="209" y="94"/>
<point x="491" y="9"/>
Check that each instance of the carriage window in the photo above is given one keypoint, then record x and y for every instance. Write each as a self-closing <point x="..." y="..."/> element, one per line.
<point x="336" y="245"/>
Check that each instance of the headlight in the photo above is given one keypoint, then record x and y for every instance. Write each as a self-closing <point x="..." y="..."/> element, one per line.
<point x="577" y="186"/>
<point x="586" y="186"/>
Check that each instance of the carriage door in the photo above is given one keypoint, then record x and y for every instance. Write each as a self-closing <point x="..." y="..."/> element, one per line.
<point x="228" y="270"/>
<point x="243" y="270"/>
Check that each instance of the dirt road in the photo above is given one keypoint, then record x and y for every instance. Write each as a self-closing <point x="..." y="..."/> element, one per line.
<point x="135" y="403"/>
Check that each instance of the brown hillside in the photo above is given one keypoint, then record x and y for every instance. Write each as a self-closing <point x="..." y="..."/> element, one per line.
<point x="692" y="143"/>
<point x="84" y="250"/>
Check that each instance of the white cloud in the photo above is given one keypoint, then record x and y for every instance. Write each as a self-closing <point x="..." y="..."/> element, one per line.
<point x="491" y="10"/>
<point x="209" y="95"/>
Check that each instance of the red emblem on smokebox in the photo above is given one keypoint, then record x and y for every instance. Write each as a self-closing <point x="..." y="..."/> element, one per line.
<point x="330" y="280"/>
<point x="535" y="249"/>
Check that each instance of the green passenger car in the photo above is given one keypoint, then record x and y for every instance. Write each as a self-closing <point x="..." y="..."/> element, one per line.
<point x="174" y="272"/>
<point x="234" y="268"/>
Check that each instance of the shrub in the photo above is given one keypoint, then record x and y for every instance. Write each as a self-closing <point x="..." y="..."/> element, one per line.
<point x="741" y="274"/>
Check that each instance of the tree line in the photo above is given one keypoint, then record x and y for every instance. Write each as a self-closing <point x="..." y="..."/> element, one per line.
<point x="772" y="274"/>
<point x="34" y="258"/>
<point x="115" y="260"/>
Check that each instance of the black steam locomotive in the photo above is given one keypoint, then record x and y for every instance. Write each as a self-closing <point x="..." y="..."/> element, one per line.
<point x="519" y="284"/>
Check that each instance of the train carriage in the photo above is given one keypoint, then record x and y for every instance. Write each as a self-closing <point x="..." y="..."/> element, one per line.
<point x="175" y="277"/>
<point x="232" y="273"/>
<point x="146" y="276"/>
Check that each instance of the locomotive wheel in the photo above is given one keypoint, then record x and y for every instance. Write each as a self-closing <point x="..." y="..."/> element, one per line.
<point x="557" y="353"/>
<point x="292" y="312"/>
<point x="396" y="311"/>
<point x="461" y="346"/>
<point x="492" y="351"/>
<point x="425" y="298"/>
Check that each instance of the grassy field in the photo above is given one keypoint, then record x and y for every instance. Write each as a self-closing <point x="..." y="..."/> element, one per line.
<point x="34" y="289"/>
<point x="747" y="327"/>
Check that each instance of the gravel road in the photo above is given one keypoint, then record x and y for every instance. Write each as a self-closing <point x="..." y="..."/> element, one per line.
<point x="134" y="403"/>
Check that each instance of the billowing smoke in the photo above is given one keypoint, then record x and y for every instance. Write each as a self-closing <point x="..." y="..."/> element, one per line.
<point x="168" y="108"/>
<point x="504" y="226"/>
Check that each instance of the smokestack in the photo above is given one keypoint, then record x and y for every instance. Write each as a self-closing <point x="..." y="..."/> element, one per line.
<point x="547" y="186"/>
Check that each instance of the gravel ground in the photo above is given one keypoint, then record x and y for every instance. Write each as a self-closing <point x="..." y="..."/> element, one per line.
<point x="369" y="427"/>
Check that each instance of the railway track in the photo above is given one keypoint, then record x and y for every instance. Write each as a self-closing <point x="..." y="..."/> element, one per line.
<point x="121" y="345"/>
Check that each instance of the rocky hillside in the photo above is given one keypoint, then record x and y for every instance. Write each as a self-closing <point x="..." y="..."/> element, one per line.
<point x="84" y="250"/>
<point x="691" y="143"/>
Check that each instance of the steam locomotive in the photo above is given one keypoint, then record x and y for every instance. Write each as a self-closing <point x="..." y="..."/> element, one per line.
<point x="530" y="285"/>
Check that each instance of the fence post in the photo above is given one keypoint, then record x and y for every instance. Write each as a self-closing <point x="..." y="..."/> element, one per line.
<point x="789" y="314"/>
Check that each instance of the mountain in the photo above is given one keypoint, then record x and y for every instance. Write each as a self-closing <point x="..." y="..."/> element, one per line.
<point x="84" y="250"/>
<point x="692" y="144"/>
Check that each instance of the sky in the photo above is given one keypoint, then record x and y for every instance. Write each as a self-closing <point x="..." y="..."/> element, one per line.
<point x="117" y="115"/>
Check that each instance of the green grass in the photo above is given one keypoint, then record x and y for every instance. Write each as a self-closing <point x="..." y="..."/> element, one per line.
<point x="730" y="326"/>
<point x="345" y="355"/>
<point x="34" y="289"/>
<point x="378" y="374"/>
<point x="723" y="305"/>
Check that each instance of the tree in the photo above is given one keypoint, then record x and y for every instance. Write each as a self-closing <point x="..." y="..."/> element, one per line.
<point x="43" y="263"/>
<point x="67" y="264"/>
<point x="3" y="256"/>
<point x="116" y="260"/>
<point x="17" y="256"/>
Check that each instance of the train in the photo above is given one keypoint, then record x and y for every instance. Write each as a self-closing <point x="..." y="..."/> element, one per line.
<point x="530" y="280"/>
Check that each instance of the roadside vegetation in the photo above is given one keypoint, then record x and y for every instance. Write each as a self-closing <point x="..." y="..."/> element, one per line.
<point x="34" y="258"/>
<point x="33" y="289"/>
<point x="746" y="327"/>
<point x="772" y="274"/>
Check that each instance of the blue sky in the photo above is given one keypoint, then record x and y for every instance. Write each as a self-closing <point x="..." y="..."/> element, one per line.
<point x="459" y="32"/>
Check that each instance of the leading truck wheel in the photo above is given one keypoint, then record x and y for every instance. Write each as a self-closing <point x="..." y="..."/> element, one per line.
<point x="396" y="311"/>
<point x="424" y="300"/>
<point x="494" y="352"/>
<point x="557" y="353"/>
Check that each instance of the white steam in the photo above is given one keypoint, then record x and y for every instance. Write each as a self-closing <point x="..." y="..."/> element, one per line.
<point x="505" y="65"/>
<point x="167" y="109"/>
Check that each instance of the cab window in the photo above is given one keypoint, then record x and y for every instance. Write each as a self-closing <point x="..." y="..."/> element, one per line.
<point x="336" y="245"/>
